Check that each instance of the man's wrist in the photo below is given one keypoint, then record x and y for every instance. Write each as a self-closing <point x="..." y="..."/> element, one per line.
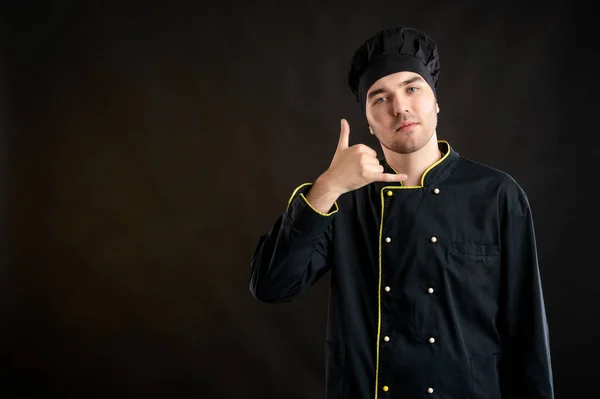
<point x="324" y="186"/>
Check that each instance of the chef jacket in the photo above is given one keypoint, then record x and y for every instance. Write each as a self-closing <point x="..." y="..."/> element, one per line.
<point x="435" y="289"/>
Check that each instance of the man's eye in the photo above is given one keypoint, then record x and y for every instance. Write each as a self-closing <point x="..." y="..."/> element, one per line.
<point x="413" y="89"/>
<point x="380" y="100"/>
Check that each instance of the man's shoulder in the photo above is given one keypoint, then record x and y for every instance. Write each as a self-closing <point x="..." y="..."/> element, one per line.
<point x="469" y="166"/>
<point x="500" y="180"/>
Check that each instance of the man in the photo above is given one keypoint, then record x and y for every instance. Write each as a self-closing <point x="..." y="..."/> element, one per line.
<point x="435" y="284"/>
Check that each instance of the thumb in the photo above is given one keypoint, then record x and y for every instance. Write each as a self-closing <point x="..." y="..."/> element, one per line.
<point x="344" y="135"/>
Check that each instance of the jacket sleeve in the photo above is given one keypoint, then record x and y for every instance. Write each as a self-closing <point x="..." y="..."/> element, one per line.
<point x="292" y="256"/>
<point x="527" y="369"/>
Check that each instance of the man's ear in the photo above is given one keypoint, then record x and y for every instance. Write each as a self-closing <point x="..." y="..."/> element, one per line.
<point x="371" y="130"/>
<point x="437" y="105"/>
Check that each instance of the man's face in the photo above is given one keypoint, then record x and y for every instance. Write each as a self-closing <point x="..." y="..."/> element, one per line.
<point x="402" y="112"/>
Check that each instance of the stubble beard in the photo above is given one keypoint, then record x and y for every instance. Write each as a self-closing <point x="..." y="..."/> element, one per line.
<point x="406" y="142"/>
<point x="411" y="141"/>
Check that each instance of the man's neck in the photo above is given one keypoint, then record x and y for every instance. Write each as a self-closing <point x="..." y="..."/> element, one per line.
<point x="416" y="163"/>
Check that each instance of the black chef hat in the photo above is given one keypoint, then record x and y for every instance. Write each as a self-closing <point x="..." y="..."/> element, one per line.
<point x="390" y="51"/>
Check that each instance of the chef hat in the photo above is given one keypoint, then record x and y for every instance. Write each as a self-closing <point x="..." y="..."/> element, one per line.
<point x="390" y="51"/>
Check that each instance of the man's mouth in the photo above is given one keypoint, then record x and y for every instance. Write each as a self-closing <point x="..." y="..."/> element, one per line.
<point x="406" y="126"/>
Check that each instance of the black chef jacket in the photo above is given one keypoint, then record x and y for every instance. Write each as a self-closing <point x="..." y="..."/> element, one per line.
<point x="435" y="289"/>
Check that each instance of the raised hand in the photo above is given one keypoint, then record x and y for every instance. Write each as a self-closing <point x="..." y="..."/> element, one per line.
<point x="355" y="166"/>
<point x="351" y="168"/>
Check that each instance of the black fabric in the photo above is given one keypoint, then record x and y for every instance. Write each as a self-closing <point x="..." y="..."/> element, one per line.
<point x="389" y="51"/>
<point x="467" y="234"/>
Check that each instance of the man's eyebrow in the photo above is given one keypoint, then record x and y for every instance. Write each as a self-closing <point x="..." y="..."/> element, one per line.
<point x="374" y="93"/>
<point x="404" y="83"/>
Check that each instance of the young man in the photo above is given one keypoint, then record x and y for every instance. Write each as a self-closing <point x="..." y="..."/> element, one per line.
<point x="435" y="284"/>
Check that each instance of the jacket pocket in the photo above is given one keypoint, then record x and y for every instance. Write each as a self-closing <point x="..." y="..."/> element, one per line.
<point x="480" y="261"/>
<point x="485" y="377"/>
<point x="335" y="358"/>
<point x="475" y="268"/>
<point x="475" y="250"/>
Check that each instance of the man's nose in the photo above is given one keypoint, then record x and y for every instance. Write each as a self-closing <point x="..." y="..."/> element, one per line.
<point x="400" y="105"/>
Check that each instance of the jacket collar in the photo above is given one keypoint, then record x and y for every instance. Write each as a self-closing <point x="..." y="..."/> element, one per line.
<point x="439" y="170"/>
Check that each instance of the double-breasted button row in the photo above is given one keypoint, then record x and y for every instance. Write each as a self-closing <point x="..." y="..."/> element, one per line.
<point x="430" y="290"/>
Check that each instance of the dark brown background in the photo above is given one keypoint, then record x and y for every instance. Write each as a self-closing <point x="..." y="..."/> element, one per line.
<point x="147" y="145"/>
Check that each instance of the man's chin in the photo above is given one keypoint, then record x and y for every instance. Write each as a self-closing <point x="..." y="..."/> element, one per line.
<point x="407" y="146"/>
